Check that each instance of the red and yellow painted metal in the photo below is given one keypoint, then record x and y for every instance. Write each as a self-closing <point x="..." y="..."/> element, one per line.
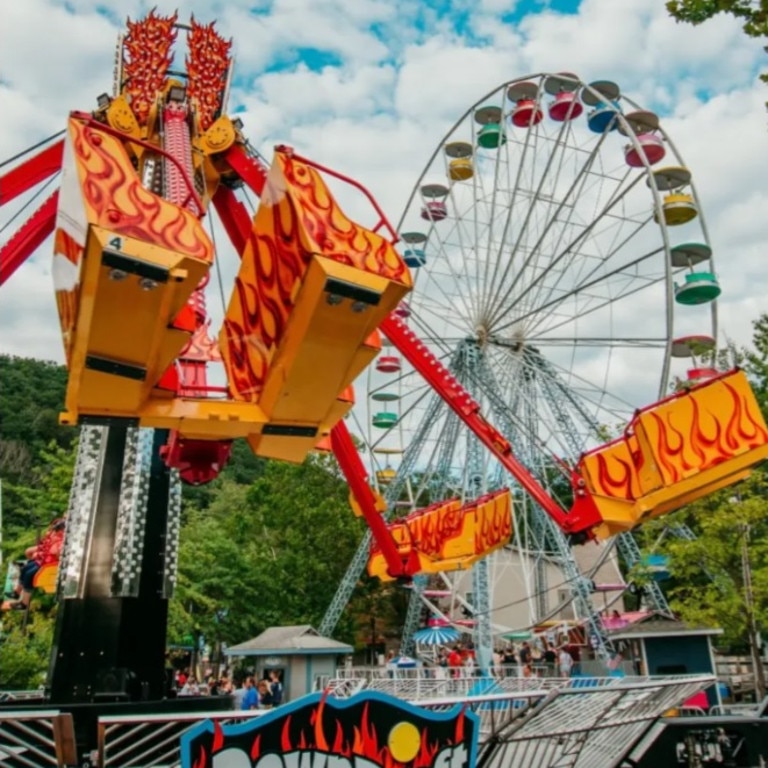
<point x="301" y="324"/>
<point x="449" y="536"/>
<point x="676" y="451"/>
<point x="312" y="289"/>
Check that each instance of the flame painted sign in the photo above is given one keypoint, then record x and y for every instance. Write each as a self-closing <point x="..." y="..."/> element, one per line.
<point x="369" y="730"/>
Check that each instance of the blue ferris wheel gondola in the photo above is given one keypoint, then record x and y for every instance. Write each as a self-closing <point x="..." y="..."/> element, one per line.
<point x="603" y="117"/>
<point x="603" y="97"/>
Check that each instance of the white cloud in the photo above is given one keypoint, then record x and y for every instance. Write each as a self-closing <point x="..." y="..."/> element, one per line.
<point x="405" y="75"/>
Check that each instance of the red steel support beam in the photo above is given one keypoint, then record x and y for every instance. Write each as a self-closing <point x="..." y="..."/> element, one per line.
<point x="582" y="517"/>
<point x="29" y="237"/>
<point x="31" y="172"/>
<point x="234" y="217"/>
<point x="249" y="169"/>
<point x="352" y="466"/>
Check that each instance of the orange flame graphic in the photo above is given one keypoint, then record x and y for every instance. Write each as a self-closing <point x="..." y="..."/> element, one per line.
<point x="147" y="58"/>
<point x="116" y="200"/>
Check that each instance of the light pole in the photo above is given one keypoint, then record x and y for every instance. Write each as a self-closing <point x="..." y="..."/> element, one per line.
<point x="749" y="606"/>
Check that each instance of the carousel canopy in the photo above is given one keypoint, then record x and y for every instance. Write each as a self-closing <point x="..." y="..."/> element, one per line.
<point x="436" y="635"/>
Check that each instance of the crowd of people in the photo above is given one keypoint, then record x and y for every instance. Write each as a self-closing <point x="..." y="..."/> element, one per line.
<point x="523" y="661"/>
<point x="247" y="692"/>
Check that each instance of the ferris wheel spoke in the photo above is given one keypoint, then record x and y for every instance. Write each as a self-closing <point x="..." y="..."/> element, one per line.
<point x="633" y="281"/>
<point x="572" y="262"/>
<point x="457" y="304"/>
<point x="551" y="223"/>
<point x="600" y="341"/>
<point x="493" y="279"/>
<point x="537" y="332"/>
<point x="491" y="208"/>
<point x="458" y="273"/>
<point x="531" y="265"/>
<point x="601" y="262"/>
<point x="537" y="196"/>
<point x="487" y="283"/>
<point x="565" y="251"/>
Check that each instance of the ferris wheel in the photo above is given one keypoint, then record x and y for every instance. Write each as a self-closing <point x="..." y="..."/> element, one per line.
<point x="561" y="266"/>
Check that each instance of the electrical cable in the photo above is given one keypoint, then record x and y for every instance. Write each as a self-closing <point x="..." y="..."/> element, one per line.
<point x="219" y="278"/>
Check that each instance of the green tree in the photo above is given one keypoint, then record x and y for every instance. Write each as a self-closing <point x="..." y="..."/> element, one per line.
<point x="29" y="506"/>
<point x="268" y="553"/>
<point x="756" y="362"/>
<point x="25" y="650"/>
<point x="720" y="578"/>
<point x="754" y="13"/>
<point x="31" y="397"/>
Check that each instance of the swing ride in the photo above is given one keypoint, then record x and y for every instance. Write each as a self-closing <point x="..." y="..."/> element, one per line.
<point x="313" y="297"/>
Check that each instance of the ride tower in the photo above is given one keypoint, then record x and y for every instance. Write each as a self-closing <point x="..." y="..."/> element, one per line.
<point x="132" y="260"/>
<point x="137" y="177"/>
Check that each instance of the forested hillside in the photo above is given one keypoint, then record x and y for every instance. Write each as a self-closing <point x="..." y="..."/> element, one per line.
<point x="266" y="543"/>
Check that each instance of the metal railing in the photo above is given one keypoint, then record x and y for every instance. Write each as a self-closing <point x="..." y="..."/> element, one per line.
<point x="513" y="710"/>
<point x="428" y="682"/>
<point x="151" y="741"/>
<point x="37" y="739"/>
<point x="740" y="710"/>
<point x="6" y="696"/>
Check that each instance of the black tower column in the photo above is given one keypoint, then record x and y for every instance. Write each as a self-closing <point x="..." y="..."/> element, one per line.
<point x="113" y="648"/>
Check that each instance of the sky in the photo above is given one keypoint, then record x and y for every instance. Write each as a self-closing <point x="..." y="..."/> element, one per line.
<point x="370" y="87"/>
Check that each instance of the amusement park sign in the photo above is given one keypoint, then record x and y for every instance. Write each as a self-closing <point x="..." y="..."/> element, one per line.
<point x="370" y="730"/>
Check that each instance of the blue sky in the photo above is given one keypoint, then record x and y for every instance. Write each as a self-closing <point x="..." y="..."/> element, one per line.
<point x="371" y="86"/>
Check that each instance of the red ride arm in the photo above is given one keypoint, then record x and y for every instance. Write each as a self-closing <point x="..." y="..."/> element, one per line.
<point x="31" y="172"/>
<point x="248" y="168"/>
<point x="582" y="518"/>
<point x="234" y="217"/>
<point x="28" y="237"/>
<point x="357" y="479"/>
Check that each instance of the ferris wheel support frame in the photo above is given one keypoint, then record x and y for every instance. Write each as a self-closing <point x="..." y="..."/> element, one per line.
<point x="578" y="584"/>
<point x="583" y="515"/>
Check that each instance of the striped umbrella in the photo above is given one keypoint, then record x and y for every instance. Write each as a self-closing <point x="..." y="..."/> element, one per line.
<point x="436" y="635"/>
